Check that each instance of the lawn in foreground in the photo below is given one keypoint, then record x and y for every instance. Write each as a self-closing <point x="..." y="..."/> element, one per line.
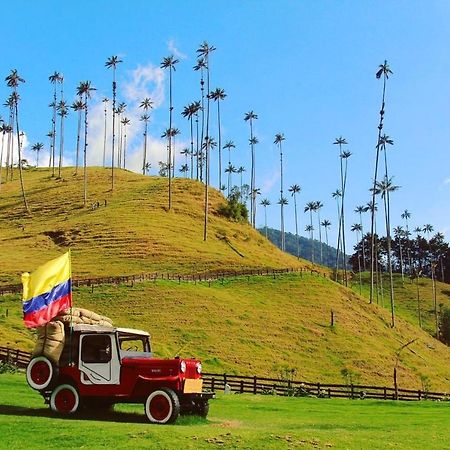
<point x="235" y="421"/>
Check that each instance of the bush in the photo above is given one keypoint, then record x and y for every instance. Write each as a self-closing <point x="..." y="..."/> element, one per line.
<point x="445" y="326"/>
<point x="6" y="367"/>
<point x="234" y="209"/>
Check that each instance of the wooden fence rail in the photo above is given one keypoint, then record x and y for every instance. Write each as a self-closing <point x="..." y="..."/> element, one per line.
<point x="273" y="386"/>
<point x="154" y="276"/>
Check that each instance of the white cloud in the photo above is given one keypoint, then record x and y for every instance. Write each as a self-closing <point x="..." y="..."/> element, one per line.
<point x="269" y="182"/>
<point x="447" y="181"/>
<point x="174" y="50"/>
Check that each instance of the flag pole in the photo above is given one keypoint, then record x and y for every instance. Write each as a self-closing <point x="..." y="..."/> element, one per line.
<point x="71" y="311"/>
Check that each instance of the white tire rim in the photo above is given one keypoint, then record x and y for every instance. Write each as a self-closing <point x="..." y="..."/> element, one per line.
<point x="167" y="410"/>
<point x="58" y="403"/>
<point x="33" y="369"/>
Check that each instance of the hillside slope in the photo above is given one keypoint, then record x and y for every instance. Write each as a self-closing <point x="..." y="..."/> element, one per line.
<point x="250" y="325"/>
<point x="264" y="326"/>
<point x="133" y="233"/>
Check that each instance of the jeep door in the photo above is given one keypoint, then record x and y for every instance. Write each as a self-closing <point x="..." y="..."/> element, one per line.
<point x="98" y="359"/>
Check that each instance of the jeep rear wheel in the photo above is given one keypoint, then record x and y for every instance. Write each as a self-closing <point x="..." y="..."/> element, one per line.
<point x="40" y="373"/>
<point x="65" y="399"/>
<point x="162" y="406"/>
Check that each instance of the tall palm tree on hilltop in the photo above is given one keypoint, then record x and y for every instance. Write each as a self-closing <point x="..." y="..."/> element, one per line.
<point x="111" y="63"/>
<point x="294" y="190"/>
<point x="250" y="117"/>
<point x="218" y="95"/>
<point x="13" y="81"/>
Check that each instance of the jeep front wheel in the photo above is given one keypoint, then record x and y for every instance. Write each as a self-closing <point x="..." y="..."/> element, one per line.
<point x="162" y="406"/>
<point x="65" y="399"/>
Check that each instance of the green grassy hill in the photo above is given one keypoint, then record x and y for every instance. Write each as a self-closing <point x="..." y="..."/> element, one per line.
<point x="133" y="233"/>
<point x="248" y="325"/>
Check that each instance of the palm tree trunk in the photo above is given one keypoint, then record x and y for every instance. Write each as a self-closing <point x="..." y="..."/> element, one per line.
<point x="78" y="140"/>
<point x="388" y="236"/>
<point x="145" y="149"/>
<point x="22" y="186"/>
<point x="419" y="312"/>
<point x="61" y="145"/>
<point x="372" y="226"/>
<point x="113" y="128"/>
<point x="265" y="219"/>
<point x="53" y="147"/>
<point x="85" y="150"/>
<point x="1" y="158"/>
<point x="362" y="240"/>
<point x="320" y="236"/>
<point x="104" y="141"/>
<point x="338" y="246"/>
<point x="436" y="316"/>
<point x="296" y="228"/>
<point x="220" y="144"/>
<point x="283" y="240"/>
<point x="192" y="148"/>
<point x="170" y="138"/>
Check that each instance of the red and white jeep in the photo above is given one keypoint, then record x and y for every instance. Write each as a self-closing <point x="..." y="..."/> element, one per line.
<point x="101" y="366"/>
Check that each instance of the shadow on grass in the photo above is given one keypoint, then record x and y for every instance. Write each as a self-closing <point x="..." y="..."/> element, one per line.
<point x="108" y="416"/>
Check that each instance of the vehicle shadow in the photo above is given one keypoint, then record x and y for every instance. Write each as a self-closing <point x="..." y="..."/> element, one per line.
<point x="110" y="416"/>
<point x="104" y="416"/>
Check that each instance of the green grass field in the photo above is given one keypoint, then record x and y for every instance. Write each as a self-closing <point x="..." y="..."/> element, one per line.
<point x="235" y="421"/>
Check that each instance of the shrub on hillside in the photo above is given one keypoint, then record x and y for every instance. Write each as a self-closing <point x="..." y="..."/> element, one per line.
<point x="445" y="326"/>
<point x="234" y="209"/>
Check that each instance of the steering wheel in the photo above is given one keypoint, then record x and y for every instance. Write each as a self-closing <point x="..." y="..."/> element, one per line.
<point x="132" y="348"/>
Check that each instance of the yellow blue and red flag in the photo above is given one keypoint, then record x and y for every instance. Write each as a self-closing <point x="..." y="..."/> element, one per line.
<point x="47" y="291"/>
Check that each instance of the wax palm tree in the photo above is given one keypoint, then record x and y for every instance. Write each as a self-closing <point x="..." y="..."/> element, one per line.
<point x="50" y="136"/>
<point x="3" y="131"/>
<point x="189" y="112"/>
<point x="311" y="206"/>
<point x="111" y="63"/>
<point x="219" y="95"/>
<point x="185" y="152"/>
<point x="337" y="195"/>
<point x="121" y="107"/>
<point x="360" y="210"/>
<point x="84" y="89"/>
<point x="209" y="143"/>
<point x="428" y="229"/>
<point x="62" y="112"/>
<point x="36" y="148"/>
<point x="406" y="215"/>
<point x="13" y="81"/>
<point x="204" y="52"/>
<point x="383" y="188"/>
<point x="240" y="171"/>
<point x="78" y="106"/>
<point x="294" y="190"/>
<point x="250" y="117"/>
<point x="144" y="118"/>
<point x="230" y="170"/>
<point x="356" y="227"/>
<point x="105" y="109"/>
<point x="169" y="62"/>
<point x="318" y="207"/>
<point x="310" y="229"/>
<point x="175" y="132"/>
<point x="383" y="72"/>
<point x="279" y="138"/>
<point x="265" y="202"/>
<point x="125" y="123"/>
<point x="399" y="232"/>
<point x="184" y="169"/>
<point x="326" y="225"/>
<point x="54" y="79"/>
<point x="201" y="66"/>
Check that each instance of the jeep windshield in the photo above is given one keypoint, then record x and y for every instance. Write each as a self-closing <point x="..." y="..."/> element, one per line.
<point x="134" y="343"/>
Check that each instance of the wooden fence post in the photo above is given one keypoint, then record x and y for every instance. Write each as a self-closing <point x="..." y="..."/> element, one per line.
<point x="213" y="384"/>
<point x="254" y="384"/>
<point x="352" y="391"/>
<point x="242" y="386"/>
<point x="318" y="389"/>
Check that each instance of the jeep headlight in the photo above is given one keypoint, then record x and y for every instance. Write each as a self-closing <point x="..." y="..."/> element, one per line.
<point x="199" y="367"/>
<point x="183" y="366"/>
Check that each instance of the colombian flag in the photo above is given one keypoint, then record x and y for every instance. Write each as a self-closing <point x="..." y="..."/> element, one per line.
<point x="47" y="291"/>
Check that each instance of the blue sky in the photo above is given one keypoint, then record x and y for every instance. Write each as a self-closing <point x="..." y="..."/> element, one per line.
<point x="307" y="68"/>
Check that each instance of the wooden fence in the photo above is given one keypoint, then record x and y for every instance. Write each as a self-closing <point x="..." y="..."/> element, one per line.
<point x="16" y="357"/>
<point x="272" y="386"/>
<point x="154" y="276"/>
